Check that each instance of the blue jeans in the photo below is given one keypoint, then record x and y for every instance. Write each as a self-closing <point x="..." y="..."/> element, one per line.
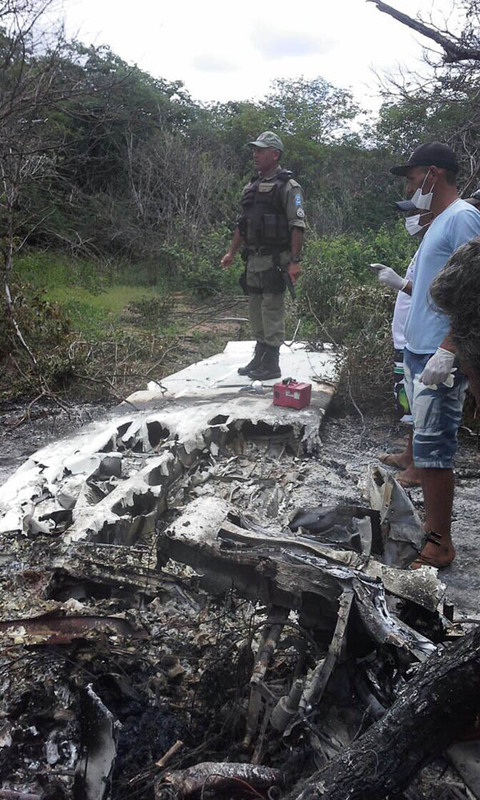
<point x="437" y="413"/>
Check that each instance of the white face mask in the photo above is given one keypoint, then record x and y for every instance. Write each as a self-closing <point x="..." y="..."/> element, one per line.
<point x="413" y="226"/>
<point x="423" y="201"/>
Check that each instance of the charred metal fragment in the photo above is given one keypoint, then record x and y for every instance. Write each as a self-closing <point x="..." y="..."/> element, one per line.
<point x="49" y="629"/>
<point x="402" y="535"/>
<point x="316" y="683"/>
<point x="218" y="777"/>
<point x="98" y="749"/>
<point x="270" y="636"/>
<point x="291" y="570"/>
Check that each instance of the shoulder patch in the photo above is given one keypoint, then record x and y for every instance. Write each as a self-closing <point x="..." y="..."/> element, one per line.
<point x="300" y="213"/>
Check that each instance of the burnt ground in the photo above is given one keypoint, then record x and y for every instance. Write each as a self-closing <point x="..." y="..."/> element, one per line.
<point x="190" y="680"/>
<point x="348" y="451"/>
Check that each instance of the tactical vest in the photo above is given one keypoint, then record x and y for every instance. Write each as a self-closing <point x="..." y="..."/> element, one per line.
<point x="263" y="222"/>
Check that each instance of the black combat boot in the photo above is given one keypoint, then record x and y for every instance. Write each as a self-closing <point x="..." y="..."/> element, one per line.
<point x="269" y="366"/>
<point x="256" y="360"/>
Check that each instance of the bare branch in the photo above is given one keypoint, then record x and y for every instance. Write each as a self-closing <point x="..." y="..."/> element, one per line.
<point x="455" y="50"/>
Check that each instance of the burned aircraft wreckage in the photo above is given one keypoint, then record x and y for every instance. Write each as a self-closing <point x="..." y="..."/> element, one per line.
<point x="183" y="614"/>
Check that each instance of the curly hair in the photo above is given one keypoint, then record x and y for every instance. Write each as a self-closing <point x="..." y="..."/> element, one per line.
<point x="456" y="291"/>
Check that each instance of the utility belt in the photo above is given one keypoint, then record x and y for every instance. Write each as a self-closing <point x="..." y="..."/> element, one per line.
<point x="271" y="280"/>
<point x="265" y="251"/>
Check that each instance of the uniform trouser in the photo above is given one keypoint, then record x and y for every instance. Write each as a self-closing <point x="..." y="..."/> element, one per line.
<point x="266" y="311"/>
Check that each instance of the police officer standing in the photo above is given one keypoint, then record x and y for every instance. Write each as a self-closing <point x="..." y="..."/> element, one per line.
<point x="270" y="229"/>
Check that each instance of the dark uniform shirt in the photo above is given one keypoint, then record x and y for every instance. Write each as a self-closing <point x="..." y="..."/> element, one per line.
<point x="292" y="202"/>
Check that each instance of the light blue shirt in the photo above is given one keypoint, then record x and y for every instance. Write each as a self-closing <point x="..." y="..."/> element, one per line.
<point x="426" y="326"/>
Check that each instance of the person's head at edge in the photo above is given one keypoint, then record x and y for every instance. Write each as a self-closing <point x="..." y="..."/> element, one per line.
<point x="456" y="291"/>
<point x="430" y="174"/>
<point x="474" y="199"/>
<point x="267" y="151"/>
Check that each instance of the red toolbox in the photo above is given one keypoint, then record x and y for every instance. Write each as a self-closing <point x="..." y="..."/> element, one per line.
<point x="292" y="394"/>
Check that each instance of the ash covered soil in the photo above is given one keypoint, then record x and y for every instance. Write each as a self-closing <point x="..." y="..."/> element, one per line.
<point x="189" y="678"/>
<point x="345" y="458"/>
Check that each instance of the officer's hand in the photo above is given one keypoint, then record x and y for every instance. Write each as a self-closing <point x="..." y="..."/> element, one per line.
<point x="227" y="260"/>
<point x="389" y="277"/>
<point x="439" y="369"/>
<point x="294" y="270"/>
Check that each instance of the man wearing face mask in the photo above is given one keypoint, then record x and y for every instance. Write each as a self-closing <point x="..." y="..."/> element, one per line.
<point x="434" y="383"/>
<point x="416" y="224"/>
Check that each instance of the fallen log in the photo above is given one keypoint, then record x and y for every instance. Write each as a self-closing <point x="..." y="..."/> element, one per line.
<point x="432" y="712"/>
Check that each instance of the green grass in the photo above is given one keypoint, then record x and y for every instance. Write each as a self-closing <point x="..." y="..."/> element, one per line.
<point x="94" y="297"/>
<point x="93" y="314"/>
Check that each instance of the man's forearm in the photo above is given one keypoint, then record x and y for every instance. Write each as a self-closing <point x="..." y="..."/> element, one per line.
<point x="296" y="242"/>
<point x="448" y="344"/>
<point x="236" y="243"/>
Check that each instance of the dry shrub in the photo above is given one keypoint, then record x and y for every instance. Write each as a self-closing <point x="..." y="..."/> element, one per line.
<point x="34" y="341"/>
<point x="363" y="326"/>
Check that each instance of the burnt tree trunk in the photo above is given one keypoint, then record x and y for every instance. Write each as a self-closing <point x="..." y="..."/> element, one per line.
<point x="432" y="712"/>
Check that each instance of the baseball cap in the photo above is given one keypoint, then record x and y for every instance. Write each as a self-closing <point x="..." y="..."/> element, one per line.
<point x="268" y="139"/>
<point x="432" y="154"/>
<point x="405" y="205"/>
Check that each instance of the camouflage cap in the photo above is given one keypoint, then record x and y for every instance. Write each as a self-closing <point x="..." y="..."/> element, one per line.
<point x="268" y="139"/>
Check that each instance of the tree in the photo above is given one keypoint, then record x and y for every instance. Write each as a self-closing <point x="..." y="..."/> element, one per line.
<point x="434" y="710"/>
<point x="457" y="47"/>
<point x="314" y="109"/>
<point x="27" y="88"/>
<point x="444" y="103"/>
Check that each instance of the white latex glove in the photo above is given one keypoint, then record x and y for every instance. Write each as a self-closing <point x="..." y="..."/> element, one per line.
<point x="439" y="369"/>
<point x="389" y="277"/>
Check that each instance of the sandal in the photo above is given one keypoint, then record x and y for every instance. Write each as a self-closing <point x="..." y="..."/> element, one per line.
<point x="423" y="560"/>
<point x="408" y="483"/>
<point x="391" y="460"/>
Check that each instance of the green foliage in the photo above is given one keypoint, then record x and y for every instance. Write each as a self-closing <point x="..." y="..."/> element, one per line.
<point x="45" y="329"/>
<point x="314" y="109"/>
<point x="341" y="301"/>
<point x="228" y="127"/>
<point x="42" y="322"/>
<point x="95" y="315"/>
<point x="199" y="270"/>
<point x="355" y="190"/>
<point x="86" y="318"/>
<point x="150" y="312"/>
<point x="52" y="269"/>
<point x="445" y="109"/>
<point x="205" y="277"/>
<point x="333" y="265"/>
<point x="365" y="315"/>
